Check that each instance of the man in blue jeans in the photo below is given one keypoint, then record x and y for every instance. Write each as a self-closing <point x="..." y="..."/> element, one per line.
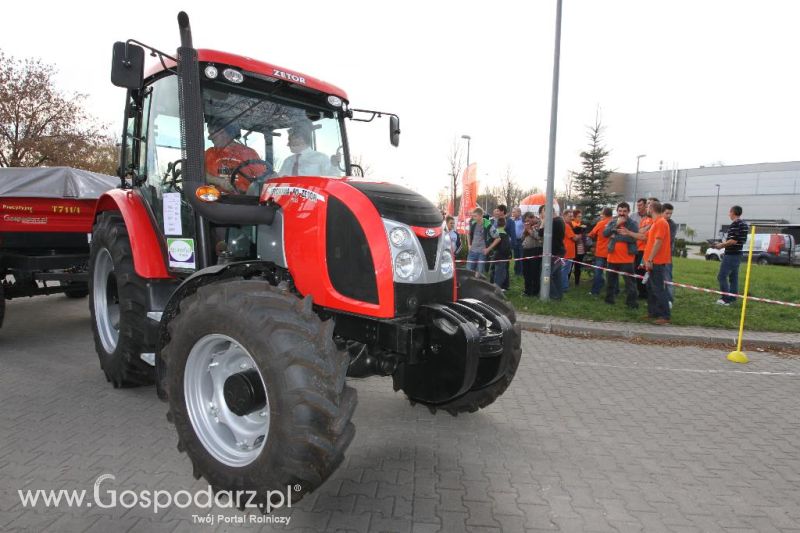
<point x="673" y="229"/>
<point x="483" y="238"/>
<point x="728" y="276"/>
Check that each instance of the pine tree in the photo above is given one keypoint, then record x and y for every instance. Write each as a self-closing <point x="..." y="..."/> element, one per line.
<point x="591" y="185"/>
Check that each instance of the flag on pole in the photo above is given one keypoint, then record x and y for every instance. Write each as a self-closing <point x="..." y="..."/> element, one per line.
<point x="469" y="197"/>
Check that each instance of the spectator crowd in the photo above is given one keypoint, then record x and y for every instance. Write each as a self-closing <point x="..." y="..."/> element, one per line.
<point x="622" y="242"/>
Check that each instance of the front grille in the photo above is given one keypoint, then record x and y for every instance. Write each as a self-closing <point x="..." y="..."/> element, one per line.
<point x="350" y="265"/>
<point x="430" y="247"/>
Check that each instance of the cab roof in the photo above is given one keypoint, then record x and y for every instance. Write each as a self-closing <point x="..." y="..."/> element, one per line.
<point x="248" y="64"/>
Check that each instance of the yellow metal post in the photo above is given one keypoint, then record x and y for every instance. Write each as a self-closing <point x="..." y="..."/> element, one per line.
<point x="739" y="356"/>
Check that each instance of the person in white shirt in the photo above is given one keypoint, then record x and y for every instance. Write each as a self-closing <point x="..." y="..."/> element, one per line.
<point x="304" y="161"/>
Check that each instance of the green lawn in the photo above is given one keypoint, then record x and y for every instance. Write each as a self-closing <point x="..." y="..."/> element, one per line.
<point x="691" y="308"/>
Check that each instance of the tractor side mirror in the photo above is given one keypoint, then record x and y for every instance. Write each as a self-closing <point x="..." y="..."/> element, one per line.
<point x="394" y="130"/>
<point x="127" y="65"/>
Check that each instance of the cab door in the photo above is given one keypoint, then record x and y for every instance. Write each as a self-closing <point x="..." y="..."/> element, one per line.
<point x="158" y="162"/>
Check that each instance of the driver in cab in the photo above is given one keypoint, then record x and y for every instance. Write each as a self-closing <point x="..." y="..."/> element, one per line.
<point x="227" y="155"/>
<point x="304" y="160"/>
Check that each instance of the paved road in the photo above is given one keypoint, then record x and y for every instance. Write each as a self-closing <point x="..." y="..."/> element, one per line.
<point x="593" y="435"/>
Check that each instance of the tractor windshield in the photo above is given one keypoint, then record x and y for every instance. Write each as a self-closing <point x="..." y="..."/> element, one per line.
<point x="253" y="135"/>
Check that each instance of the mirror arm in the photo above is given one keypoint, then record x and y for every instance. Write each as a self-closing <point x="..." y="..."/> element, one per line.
<point x="153" y="53"/>
<point x="372" y="114"/>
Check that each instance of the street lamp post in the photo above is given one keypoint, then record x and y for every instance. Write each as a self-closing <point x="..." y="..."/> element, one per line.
<point x="468" y="138"/>
<point x="455" y="178"/>
<point x="716" y="212"/>
<point x="636" y="181"/>
<point x="547" y="248"/>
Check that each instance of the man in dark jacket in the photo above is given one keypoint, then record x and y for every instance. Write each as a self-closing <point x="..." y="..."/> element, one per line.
<point x="557" y="250"/>
<point x="728" y="276"/>
<point x="501" y="212"/>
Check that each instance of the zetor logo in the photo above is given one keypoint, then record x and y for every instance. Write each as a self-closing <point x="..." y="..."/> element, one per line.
<point x="288" y="76"/>
<point x="430" y="232"/>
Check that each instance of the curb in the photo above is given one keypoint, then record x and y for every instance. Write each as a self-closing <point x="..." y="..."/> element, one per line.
<point x="622" y="330"/>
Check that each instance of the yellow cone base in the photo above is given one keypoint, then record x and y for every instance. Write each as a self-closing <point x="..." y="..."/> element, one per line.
<point x="738" y="357"/>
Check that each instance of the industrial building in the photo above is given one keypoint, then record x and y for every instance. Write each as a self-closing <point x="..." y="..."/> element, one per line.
<point x="769" y="193"/>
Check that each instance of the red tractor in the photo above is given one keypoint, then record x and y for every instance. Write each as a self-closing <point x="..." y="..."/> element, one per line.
<point x="249" y="294"/>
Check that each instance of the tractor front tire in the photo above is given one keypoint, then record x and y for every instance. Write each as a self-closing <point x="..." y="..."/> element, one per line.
<point x="472" y="285"/>
<point x="117" y="304"/>
<point x="291" y="425"/>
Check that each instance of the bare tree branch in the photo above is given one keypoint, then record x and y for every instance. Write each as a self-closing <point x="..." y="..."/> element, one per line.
<point x="40" y="124"/>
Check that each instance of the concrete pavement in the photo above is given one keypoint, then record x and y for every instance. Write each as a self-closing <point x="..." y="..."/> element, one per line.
<point x="595" y="435"/>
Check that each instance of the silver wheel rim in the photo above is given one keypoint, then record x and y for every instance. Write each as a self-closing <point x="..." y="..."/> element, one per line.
<point x="106" y="300"/>
<point x="231" y="439"/>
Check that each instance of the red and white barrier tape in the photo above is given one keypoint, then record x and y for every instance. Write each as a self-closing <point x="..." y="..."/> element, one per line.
<point x="499" y="260"/>
<point x="639" y="276"/>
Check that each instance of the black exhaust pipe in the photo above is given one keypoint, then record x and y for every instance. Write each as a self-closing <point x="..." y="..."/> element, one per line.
<point x="193" y="147"/>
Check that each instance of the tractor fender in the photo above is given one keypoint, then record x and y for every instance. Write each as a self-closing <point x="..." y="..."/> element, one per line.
<point x="149" y="253"/>
<point x="267" y="271"/>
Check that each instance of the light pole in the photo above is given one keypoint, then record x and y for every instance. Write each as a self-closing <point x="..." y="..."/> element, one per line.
<point x="716" y="212"/>
<point x="547" y="248"/>
<point x="636" y="181"/>
<point x="455" y="178"/>
<point x="468" y="138"/>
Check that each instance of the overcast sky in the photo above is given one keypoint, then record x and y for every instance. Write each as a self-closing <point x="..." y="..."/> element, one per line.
<point x="686" y="82"/>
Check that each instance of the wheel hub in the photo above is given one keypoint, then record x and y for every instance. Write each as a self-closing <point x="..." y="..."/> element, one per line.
<point x="244" y="393"/>
<point x="226" y="399"/>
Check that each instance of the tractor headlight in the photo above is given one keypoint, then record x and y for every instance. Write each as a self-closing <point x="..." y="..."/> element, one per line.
<point x="446" y="263"/>
<point x="399" y="236"/>
<point x="408" y="265"/>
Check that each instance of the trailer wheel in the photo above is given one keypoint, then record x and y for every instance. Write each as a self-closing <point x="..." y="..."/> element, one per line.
<point x="76" y="290"/>
<point x="117" y="304"/>
<point x="472" y="285"/>
<point x="256" y="390"/>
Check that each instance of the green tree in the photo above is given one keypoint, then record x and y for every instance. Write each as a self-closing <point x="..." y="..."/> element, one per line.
<point x="591" y="184"/>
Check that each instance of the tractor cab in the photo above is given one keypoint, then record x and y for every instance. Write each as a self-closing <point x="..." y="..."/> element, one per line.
<point x="255" y="127"/>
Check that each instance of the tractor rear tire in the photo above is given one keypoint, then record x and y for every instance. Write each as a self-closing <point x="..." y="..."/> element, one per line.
<point x="117" y="304"/>
<point x="76" y="290"/>
<point x="472" y="285"/>
<point x="229" y="329"/>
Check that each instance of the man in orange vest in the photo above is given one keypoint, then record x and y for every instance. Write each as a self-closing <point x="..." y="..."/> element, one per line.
<point x="621" y="248"/>
<point x="569" y="245"/>
<point x="655" y="260"/>
<point x="600" y="250"/>
<point x="227" y="155"/>
<point x="644" y="222"/>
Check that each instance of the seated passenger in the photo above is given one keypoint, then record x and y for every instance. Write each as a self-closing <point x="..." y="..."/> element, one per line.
<point x="304" y="161"/>
<point x="226" y="155"/>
